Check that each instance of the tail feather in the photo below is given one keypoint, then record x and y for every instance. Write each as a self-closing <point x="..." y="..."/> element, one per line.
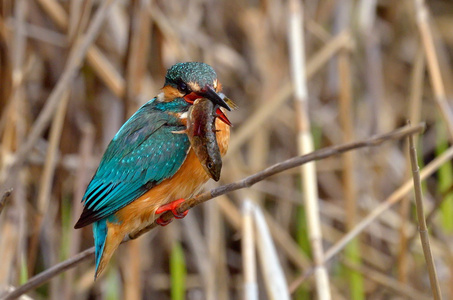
<point x="100" y="236"/>
<point x="106" y="240"/>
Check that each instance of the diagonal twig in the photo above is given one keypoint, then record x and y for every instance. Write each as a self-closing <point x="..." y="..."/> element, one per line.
<point x="392" y="199"/>
<point x="423" y="229"/>
<point x="283" y="166"/>
<point x="201" y="198"/>
<point x="48" y="274"/>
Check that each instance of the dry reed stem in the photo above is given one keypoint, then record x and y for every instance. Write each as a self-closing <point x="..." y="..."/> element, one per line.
<point x="137" y="56"/>
<point x="450" y="263"/>
<point x="48" y="274"/>
<point x="373" y="258"/>
<point x="197" y="245"/>
<point x="55" y="11"/>
<point x="230" y="211"/>
<point x="396" y="196"/>
<point x="101" y="65"/>
<point x="305" y="145"/>
<point x="44" y="276"/>
<point x="215" y="239"/>
<point x="287" y="243"/>
<point x="280" y="235"/>
<point x="248" y="252"/>
<point x="80" y="181"/>
<point x="76" y="10"/>
<point x="416" y="93"/>
<point x="388" y="282"/>
<point x="19" y="45"/>
<point x="137" y="53"/>
<point x="433" y="64"/>
<point x="280" y="167"/>
<point x="106" y="71"/>
<point x="346" y="121"/>
<point x="423" y="229"/>
<point x="17" y="124"/>
<point x="374" y="81"/>
<point x="428" y="170"/>
<point x="272" y="272"/>
<point x="263" y="113"/>
<point x="346" y="116"/>
<point x="132" y="267"/>
<point x="73" y="64"/>
<point x="8" y="237"/>
<point x="258" y="143"/>
<point x="44" y="194"/>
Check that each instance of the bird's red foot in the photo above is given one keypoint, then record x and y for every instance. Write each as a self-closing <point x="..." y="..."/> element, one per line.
<point x="170" y="207"/>
<point x="162" y="222"/>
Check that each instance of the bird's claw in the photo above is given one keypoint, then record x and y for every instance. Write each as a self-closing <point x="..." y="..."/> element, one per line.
<point x="162" y="222"/>
<point x="172" y="206"/>
<point x="178" y="215"/>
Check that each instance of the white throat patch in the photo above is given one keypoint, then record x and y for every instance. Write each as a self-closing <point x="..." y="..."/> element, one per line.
<point x="161" y="97"/>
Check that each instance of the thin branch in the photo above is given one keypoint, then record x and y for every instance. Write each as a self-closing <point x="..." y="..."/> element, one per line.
<point x="283" y="166"/>
<point x="423" y="229"/>
<point x="201" y="198"/>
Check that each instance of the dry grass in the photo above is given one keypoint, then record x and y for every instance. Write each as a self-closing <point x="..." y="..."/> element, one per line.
<point x="71" y="72"/>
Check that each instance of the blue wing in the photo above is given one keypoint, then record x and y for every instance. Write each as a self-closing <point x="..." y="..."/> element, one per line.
<point x="144" y="152"/>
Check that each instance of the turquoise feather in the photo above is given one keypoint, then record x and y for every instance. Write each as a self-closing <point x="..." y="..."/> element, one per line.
<point x="143" y="153"/>
<point x="99" y="234"/>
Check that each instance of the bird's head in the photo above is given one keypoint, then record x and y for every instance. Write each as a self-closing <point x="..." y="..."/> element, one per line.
<point x="193" y="80"/>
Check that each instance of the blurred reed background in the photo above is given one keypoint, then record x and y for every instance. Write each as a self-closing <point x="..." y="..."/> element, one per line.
<point x="327" y="72"/>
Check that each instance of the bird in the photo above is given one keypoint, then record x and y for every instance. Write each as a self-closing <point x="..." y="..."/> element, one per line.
<point x="150" y="166"/>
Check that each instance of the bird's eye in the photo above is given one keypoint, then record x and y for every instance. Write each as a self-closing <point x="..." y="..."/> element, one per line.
<point x="182" y="87"/>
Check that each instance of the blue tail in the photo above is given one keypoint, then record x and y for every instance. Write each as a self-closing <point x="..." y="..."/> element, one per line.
<point x="100" y="235"/>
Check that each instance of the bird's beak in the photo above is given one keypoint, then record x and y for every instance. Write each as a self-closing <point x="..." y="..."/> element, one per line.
<point x="210" y="93"/>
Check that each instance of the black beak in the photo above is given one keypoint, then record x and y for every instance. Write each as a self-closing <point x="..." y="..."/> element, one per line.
<point x="209" y="93"/>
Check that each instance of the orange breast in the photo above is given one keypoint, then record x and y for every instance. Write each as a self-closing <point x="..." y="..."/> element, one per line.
<point x="187" y="181"/>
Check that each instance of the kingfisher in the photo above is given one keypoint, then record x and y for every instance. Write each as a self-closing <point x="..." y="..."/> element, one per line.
<point x="150" y="166"/>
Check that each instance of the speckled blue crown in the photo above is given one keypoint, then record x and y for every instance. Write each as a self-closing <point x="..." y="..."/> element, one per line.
<point x="198" y="72"/>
